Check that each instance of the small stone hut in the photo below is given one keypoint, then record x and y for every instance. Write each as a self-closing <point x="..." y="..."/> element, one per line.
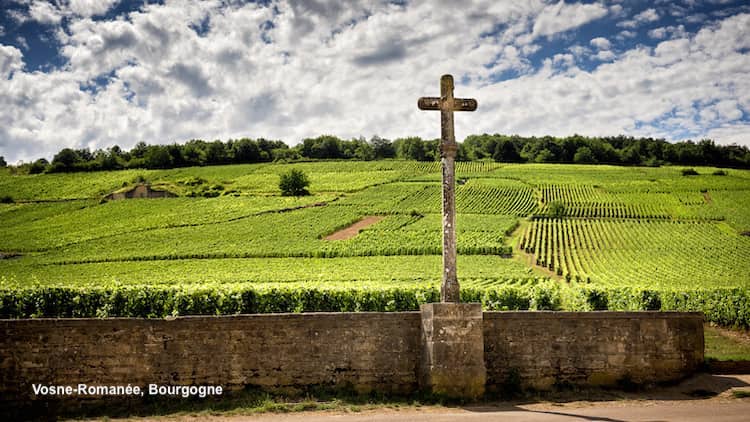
<point x="140" y="191"/>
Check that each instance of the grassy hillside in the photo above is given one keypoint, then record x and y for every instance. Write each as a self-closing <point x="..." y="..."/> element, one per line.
<point x="529" y="236"/>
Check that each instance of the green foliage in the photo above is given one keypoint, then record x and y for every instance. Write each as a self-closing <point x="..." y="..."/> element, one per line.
<point x="545" y="297"/>
<point x="725" y="306"/>
<point x="158" y="157"/>
<point x="584" y="155"/>
<point x="165" y="301"/>
<point x="414" y="148"/>
<point x="39" y="166"/>
<point x="689" y="172"/>
<point x="556" y="209"/>
<point x="501" y="148"/>
<point x="294" y="183"/>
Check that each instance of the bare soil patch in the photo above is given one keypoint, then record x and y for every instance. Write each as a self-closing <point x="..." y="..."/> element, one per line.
<point x="354" y="229"/>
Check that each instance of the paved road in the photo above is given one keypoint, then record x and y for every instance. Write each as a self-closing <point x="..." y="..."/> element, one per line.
<point x="684" y="402"/>
<point x="663" y="411"/>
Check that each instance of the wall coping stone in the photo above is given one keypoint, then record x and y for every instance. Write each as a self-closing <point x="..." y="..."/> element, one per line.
<point x="591" y="314"/>
<point x="411" y="314"/>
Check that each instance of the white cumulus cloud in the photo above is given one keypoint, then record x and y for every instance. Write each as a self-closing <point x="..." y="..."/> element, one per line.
<point x="561" y="17"/>
<point x="52" y="12"/>
<point x="646" y="16"/>
<point x="11" y="59"/>
<point x="217" y="70"/>
<point x="601" y="43"/>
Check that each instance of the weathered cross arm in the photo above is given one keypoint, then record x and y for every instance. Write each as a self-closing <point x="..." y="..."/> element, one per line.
<point x="459" y="104"/>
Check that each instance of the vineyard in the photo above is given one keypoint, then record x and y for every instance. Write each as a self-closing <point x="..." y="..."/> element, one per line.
<point x="531" y="236"/>
<point x="621" y="253"/>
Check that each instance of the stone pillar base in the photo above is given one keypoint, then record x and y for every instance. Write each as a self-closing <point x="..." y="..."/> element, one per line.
<point x="453" y="350"/>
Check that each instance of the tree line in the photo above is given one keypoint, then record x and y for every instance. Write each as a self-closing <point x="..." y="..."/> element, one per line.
<point x="623" y="150"/>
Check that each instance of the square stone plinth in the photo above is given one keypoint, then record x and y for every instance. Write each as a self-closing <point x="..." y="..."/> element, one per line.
<point x="453" y="350"/>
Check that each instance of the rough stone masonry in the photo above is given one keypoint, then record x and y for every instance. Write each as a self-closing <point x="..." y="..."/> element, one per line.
<point x="362" y="351"/>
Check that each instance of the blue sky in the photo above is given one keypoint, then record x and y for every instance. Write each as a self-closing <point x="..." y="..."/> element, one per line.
<point x="95" y="73"/>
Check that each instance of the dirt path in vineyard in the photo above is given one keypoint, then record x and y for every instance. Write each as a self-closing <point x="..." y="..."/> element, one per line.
<point x="354" y="229"/>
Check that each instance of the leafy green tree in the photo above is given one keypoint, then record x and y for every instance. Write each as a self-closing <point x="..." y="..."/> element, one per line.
<point x="506" y="152"/>
<point x="411" y="148"/>
<point x="631" y="156"/>
<point x="246" y="151"/>
<point x="38" y="166"/>
<point x="194" y="152"/>
<point x="2" y="162"/>
<point x="324" y="146"/>
<point x="544" y="156"/>
<point x="382" y="147"/>
<point x="364" y="151"/>
<point x="584" y="155"/>
<point x="285" y="154"/>
<point x="139" y="150"/>
<point x="216" y="153"/>
<point x="432" y="150"/>
<point x="178" y="159"/>
<point x="294" y="183"/>
<point x="65" y="159"/>
<point x="158" y="157"/>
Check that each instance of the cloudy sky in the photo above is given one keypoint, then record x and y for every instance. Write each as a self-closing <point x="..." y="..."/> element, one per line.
<point x="95" y="73"/>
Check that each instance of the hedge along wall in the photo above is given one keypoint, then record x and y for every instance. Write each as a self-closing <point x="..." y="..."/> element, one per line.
<point x="724" y="306"/>
<point x="360" y="351"/>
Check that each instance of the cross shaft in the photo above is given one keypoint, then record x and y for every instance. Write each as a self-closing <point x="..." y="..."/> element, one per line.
<point x="447" y="104"/>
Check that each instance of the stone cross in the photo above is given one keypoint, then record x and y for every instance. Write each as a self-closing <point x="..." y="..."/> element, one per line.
<point x="449" y="291"/>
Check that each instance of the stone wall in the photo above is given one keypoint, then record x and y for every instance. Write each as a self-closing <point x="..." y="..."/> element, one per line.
<point x="364" y="351"/>
<point x="361" y="351"/>
<point x="546" y="349"/>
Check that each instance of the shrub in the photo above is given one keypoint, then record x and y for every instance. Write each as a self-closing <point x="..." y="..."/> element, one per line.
<point x="689" y="172"/>
<point x="140" y="179"/>
<point x="294" y="183"/>
<point x="6" y="199"/>
<point x="556" y="209"/>
<point x="193" y="181"/>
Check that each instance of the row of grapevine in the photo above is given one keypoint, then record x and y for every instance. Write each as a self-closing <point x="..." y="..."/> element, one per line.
<point x="589" y="202"/>
<point x="297" y="233"/>
<point x="474" y="198"/>
<point x="499" y="224"/>
<point x="479" y="199"/>
<point x="639" y="252"/>
<point x="43" y="226"/>
<point x="384" y="197"/>
<point x="382" y="271"/>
